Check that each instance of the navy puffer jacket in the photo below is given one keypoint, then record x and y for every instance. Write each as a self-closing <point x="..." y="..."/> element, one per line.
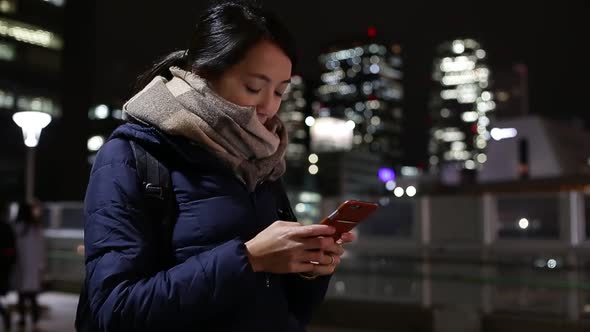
<point x="212" y="286"/>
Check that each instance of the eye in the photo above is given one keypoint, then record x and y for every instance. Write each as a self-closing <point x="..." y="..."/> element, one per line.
<point x="278" y="94"/>
<point x="252" y="90"/>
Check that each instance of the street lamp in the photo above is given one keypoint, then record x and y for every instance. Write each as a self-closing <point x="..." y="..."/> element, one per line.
<point x="31" y="124"/>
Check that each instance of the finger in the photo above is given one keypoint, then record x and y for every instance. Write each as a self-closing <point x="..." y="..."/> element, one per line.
<point x="288" y="223"/>
<point x="314" y="243"/>
<point x="335" y="249"/>
<point x="329" y="259"/>
<point x="315" y="256"/>
<point x="317" y="243"/>
<point x="314" y="231"/>
<point x="347" y="237"/>
<point x="327" y="242"/>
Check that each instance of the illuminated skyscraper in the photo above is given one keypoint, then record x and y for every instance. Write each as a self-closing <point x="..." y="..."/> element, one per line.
<point x="356" y="118"/>
<point x="358" y="103"/>
<point x="460" y="107"/>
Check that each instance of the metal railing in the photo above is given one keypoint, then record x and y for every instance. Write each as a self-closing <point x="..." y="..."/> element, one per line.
<point x="495" y="252"/>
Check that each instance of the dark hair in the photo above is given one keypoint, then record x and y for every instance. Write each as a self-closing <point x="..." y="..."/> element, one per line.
<point x="26" y="217"/>
<point x="222" y="37"/>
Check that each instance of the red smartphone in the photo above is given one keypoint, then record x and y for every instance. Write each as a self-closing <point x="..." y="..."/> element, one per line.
<point x="348" y="215"/>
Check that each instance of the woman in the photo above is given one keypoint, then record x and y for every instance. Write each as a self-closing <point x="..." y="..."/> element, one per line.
<point x="209" y="115"/>
<point x="30" y="258"/>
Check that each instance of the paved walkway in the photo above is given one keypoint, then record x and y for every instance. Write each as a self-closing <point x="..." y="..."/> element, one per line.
<point x="59" y="310"/>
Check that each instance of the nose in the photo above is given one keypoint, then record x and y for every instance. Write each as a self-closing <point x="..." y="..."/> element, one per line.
<point x="268" y="105"/>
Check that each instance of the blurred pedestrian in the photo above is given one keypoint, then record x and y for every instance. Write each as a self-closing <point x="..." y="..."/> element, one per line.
<point x="30" y="261"/>
<point x="240" y="261"/>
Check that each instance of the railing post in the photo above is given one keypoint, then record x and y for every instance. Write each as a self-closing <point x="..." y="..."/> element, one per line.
<point x="424" y="229"/>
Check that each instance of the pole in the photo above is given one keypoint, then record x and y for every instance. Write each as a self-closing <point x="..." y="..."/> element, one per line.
<point x="30" y="175"/>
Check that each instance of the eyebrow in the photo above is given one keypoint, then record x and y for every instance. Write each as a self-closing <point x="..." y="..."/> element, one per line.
<point x="266" y="78"/>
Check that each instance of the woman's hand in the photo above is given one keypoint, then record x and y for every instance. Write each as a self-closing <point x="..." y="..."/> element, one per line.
<point x="332" y="256"/>
<point x="289" y="247"/>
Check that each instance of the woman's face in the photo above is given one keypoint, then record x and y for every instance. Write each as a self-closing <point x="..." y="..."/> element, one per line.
<point x="37" y="210"/>
<point x="259" y="80"/>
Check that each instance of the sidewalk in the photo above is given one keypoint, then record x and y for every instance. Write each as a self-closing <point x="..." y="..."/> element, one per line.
<point x="59" y="310"/>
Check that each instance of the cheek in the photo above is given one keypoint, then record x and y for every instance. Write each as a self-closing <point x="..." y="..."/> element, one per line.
<point x="232" y="91"/>
<point x="239" y="96"/>
<point x="244" y="99"/>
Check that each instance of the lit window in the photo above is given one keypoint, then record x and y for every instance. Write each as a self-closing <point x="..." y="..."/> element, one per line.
<point x="482" y="158"/>
<point x="313" y="158"/>
<point x="470" y="116"/>
<point x="7" y="52"/>
<point x="390" y="185"/>
<point x="99" y="112"/>
<point x="57" y="3"/>
<point x="7" y="6"/>
<point x="29" y="34"/>
<point x="95" y="143"/>
<point x="374" y="69"/>
<point x="313" y="169"/>
<point x="38" y="104"/>
<point x="6" y="100"/>
<point x="300" y="207"/>
<point x="118" y="114"/>
<point x="458" y="46"/>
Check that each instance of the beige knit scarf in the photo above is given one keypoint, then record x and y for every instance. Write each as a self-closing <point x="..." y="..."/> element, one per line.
<point x="186" y="106"/>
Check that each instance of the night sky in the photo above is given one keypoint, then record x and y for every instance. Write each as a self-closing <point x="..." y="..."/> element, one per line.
<point x="131" y="34"/>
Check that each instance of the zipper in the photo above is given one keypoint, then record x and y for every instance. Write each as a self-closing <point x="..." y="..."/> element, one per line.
<point x="267" y="280"/>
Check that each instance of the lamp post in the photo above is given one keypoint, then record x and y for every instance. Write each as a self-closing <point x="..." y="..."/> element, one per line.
<point x="31" y="123"/>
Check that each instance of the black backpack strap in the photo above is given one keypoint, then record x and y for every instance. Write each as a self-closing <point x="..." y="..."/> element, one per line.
<point x="158" y="198"/>
<point x="154" y="175"/>
<point x="284" y="210"/>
